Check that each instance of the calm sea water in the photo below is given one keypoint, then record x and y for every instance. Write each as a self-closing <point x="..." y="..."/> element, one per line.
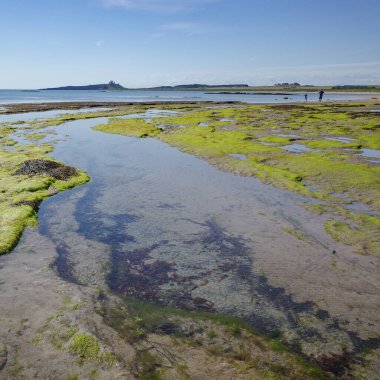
<point x="26" y="96"/>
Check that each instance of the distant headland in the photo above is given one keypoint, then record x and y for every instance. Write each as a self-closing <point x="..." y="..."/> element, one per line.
<point x="104" y="86"/>
<point x="116" y="86"/>
<point x="226" y="88"/>
<point x="198" y="86"/>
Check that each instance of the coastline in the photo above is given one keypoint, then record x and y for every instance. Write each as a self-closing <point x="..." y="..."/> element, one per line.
<point x="143" y="96"/>
<point x="10" y="108"/>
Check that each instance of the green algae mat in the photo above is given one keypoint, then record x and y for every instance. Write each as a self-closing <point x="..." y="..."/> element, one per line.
<point x="27" y="177"/>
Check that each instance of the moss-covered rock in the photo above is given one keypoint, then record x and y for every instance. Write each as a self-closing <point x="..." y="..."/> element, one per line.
<point x="27" y="177"/>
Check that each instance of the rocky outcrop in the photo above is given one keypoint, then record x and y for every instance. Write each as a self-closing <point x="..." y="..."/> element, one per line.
<point x="46" y="168"/>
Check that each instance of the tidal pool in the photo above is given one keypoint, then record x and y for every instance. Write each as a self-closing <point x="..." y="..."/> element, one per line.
<point x="297" y="148"/>
<point x="150" y="114"/>
<point x="28" y="116"/>
<point x="166" y="227"/>
<point x="345" y="140"/>
<point x="373" y="153"/>
<point x="239" y="156"/>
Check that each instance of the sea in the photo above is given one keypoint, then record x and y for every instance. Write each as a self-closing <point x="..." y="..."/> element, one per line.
<point x="41" y="96"/>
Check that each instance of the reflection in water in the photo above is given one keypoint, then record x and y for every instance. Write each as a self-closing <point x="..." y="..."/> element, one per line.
<point x="341" y="139"/>
<point x="45" y="114"/>
<point x="374" y="153"/>
<point x="239" y="156"/>
<point x="297" y="148"/>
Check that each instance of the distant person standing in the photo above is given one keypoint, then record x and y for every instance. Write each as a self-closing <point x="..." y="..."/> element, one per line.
<point x="305" y="98"/>
<point x="321" y="95"/>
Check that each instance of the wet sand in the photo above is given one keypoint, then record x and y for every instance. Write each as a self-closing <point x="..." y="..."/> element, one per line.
<point x="30" y="294"/>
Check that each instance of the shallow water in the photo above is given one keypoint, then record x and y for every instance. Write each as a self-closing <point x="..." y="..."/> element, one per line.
<point x="164" y="226"/>
<point x="287" y="135"/>
<point x="296" y="148"/>
<point x="28" y="116"/>
<point x="171" y="218"/>
<point x="150" y="114"/>
<point x="239" y="156"/>
<point x="345" y="140"/>
<point x="373" y="153"/>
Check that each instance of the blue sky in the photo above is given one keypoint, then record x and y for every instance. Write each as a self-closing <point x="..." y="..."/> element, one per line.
<point x="142" y="43"/>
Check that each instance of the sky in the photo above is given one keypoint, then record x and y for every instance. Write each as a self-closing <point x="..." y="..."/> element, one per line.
<point x="143" y="43"/>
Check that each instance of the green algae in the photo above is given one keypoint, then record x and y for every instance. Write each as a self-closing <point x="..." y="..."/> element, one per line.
<point x="8" y="142"/>
<point x="277" y="140"/>
<point x="335" y="169"/>
<point x="212" y="142"/>
<point x="332" y="144"/>
<point x="67" y="336"/>
<point x="84" y="345"/>
<point x="294" y="232"/>
<point x="13" y="221"/>
<point x="190" y="120"/>
<point x="21" y="194"/>
<point x="215" y="332"/>
<point x="35" y="136"/>
<point x="335" y="174"/>
<point x="5" y="130"/>
<point x="130" y="127"/>
<point x="359" y="230"/>
<point x="370" y="141"/>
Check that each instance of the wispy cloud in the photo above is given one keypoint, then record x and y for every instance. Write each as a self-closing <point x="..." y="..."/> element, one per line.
<point x="189" y="28"/>
<point x="178" y="26"/>
<point x="99" y="43"/>
<point x="171" y="6"/>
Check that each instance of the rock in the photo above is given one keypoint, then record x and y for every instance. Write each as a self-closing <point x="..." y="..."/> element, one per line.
<point x="168" y="328"/>
<point x="52" y="190"/>
<point x="33" y="204"/>
<point x="46" y="168"/>
<point x="3" y="356"/>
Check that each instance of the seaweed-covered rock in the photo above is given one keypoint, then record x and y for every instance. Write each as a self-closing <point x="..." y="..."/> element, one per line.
<point x="46" y="168"/>
<point x="34" y="204"/>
